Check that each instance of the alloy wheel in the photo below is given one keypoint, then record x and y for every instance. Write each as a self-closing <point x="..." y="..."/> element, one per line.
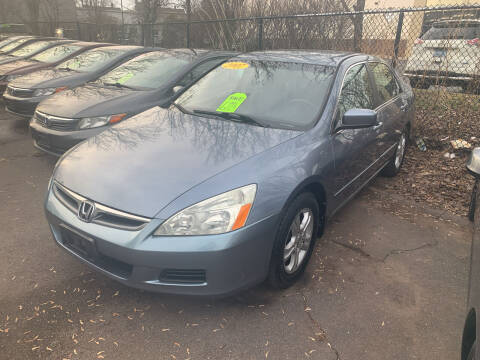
<point x="298" y="241"/>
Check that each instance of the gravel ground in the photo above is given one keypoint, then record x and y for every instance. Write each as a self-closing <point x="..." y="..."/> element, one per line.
<point x="387" y="281"/>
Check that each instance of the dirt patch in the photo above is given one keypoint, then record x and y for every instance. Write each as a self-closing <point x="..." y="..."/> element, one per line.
<point x="429" y="176"/>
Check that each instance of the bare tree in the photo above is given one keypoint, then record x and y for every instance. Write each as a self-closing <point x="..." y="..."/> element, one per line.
<point x="147" y="14"/>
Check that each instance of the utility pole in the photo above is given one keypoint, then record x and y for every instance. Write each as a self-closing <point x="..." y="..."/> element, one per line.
<point x="123" y="21"/>
<point x="188" y="8"/>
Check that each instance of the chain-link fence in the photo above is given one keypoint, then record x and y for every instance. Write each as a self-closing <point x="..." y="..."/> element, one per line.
<point x="438" y="49"/>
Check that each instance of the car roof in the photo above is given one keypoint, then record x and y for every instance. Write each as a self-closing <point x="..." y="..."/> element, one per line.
<point x="314" y="57"/>
<point x="122" y="47"/>
<point x="458" y="21"/>
<point x="88" y="44"/>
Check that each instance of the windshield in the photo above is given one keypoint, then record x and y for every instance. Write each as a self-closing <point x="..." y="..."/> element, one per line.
<point x="31" y="48"/>
<point x="452" y="32"/>
<point x="5" y="42"/>
<point x="275" y="94"/>
<point x="56" y="53"/>
<point x="14" y="44"/>
<point x="146" y="71"/>
<point x="90" y="60"/>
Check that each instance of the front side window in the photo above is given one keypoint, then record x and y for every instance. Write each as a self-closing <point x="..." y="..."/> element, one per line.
<point x="148" y="71"/>
<point x="357" y="92"/>
<point x="56" y="53"/>
<point x="90" y="60"/>
<point x="385" y="82"/>
<point x="274" y="93"/>
<point x="31" y="48"/>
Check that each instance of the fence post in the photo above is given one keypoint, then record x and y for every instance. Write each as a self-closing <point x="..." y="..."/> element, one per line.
<point x="189" y="20"/>
<point x="260" y="33"/>
<point x="398" y="37"/>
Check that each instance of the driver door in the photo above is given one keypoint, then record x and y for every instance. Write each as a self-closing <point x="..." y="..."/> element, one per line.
<point x="355" y="150"/>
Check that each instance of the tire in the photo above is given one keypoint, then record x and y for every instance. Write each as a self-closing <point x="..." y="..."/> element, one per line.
<point x="473" y="200"/>
<point x="286" y="270"/>
<point x="471" y="353"/>
<point x="395" y="164"/>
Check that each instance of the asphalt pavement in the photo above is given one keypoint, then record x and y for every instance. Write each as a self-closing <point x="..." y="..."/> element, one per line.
<point x="387" y="281"/>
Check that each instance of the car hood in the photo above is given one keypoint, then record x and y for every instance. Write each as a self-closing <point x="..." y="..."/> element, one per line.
<point x="146" y="162"/>
<point x="87" y="101"/>
<point x="16" y="65"/>
<point x="45" y="78"/>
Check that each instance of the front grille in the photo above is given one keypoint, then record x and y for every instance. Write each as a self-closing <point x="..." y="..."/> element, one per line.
<point x="102" y="215"/>
<point x="19" y="92"/>
<point x="20" y="107"/>
<point x="183" y="276"/>
<point x="55" y="123"/>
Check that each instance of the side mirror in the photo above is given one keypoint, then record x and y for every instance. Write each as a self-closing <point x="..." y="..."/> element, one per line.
<point x="473" y="163"/>
<point x="359" y="119"/>
<point x="178" y="89"/>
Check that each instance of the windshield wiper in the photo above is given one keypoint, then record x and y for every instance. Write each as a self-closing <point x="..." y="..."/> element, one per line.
<point x="231" y="116"/>
<point x="118" y="85"/>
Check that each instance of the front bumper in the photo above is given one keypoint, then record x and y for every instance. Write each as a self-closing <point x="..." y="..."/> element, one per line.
<point x="57" y="142"/>
<point x="22" y="106"/>
<point x="208" y="265"/>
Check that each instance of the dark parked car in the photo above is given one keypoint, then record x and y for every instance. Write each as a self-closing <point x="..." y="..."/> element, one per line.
<point x="21" y="42"/>
<point x="470" y="349"/>
<point x="69" y="117"/>
<point x="25" y="93"/>
<point x="233" y="183"/>
<point x="43" y="60"/>
<point x="10" y="40"/>
<point x="31" y="50"/>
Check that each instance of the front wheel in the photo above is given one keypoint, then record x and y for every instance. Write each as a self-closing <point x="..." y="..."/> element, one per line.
<point x="394" y="165"/>
<point x="473" y="200"/>
<point x="294" y="241"/>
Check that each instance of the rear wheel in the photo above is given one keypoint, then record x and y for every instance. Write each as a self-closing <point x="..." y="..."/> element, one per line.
<point x="394" y="165"/>
<point x="295" y="241"/>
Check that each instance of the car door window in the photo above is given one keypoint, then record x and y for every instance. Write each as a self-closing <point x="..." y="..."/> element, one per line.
<point x="385" y="82"/>
<point x="199" y="71"/>
<point x="357" y="92"/>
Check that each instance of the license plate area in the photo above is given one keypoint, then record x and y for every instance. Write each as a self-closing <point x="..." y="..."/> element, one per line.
<point x="439" y="53"/>
<point x="79" y="244"/>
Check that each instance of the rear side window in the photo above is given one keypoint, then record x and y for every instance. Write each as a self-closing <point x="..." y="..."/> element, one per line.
<point x="439" y="32"/>
<point x="357" y="93"/>
<point x="385" y="82"/>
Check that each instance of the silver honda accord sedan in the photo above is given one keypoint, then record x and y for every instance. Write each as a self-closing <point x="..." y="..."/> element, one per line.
<point x="233" y="183"/>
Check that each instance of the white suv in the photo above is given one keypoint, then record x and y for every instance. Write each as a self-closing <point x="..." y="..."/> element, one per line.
<point x="447" y="54"/>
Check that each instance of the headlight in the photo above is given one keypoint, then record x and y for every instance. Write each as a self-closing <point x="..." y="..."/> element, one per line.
<point x="44" y="92"/>
<point x="217" y="215"/>
<point x="94" y="122"/>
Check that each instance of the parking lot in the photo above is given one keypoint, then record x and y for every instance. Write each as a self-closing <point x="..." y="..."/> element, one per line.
<point x="388" y="280"/>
